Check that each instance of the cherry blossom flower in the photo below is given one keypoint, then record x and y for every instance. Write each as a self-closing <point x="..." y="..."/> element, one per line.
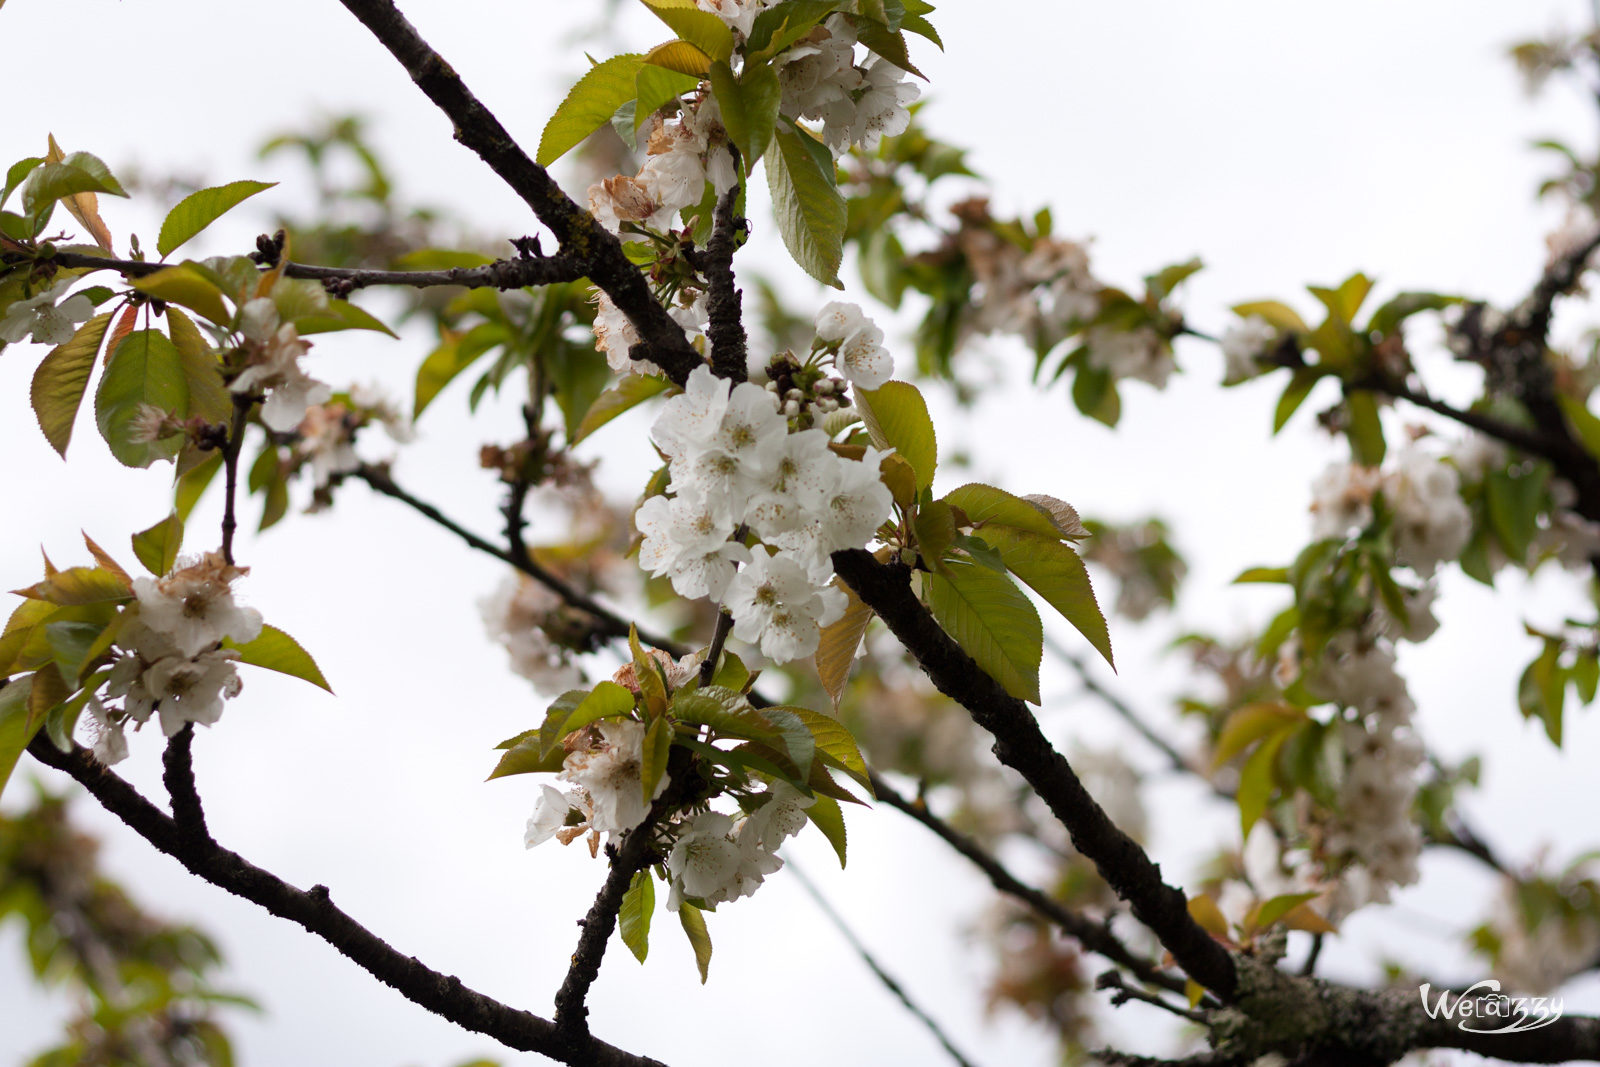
<point x="48" y="322"/>
<point x="274" y="365"/>
<point x="609" y="771"/>
<point x="775" y="603"/>
<point x="193" y="607"/>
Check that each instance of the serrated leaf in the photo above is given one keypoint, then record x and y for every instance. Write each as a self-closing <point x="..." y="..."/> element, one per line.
<point x="896" y="417"/>
<point x="17" y="725"/>
<point x="200" y="209"/>
<point x="836" y="651"/>
<point x="781" y="25"/>
<point x="630" y="392"/>
<point x="633" y="917"/>
<point x="890" y="44"/>
<point x="209" y="398"/>
<point x="526" y="758"/>
<point x="694" y="925"/>
<point x="339" y="315"/>
<point x="16" y="174"/>
<point x="104" y="558"/>
<point x="834" y="744"/>
<point x="85" y="207"/>
<point x="935" y="531"/>
<point x="157" y="547"/>
<point x="607" y="700"/>
<point x="1056" y="572"/>
<point x="60" y="381"/>
<point x="811" y="214"/>
<point x="80" y="585"/>
<point x="749" y="105"/>
<point x="275" y="650"/>
<point x="680" y="57"/>
<point x="826" y="815"/>
<point x="144" y="370"/>
<point x="655" y="86"/>
<point x="187" y="285"/>
<point x="654" y="752"/>
<point x="993" y="621"/>
<point x="989" y="507"/>
<point x="589" y="105"/>
<point x="77" y="173"/>
<point x="705" y="31"/>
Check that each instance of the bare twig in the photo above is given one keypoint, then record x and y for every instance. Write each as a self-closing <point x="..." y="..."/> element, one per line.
<point x="230" y="468"/>
<point x="1124" y="992"/>
<point x="889" y="982"/>
<point x="441" y="994"/>
<point x="177" y="764"/>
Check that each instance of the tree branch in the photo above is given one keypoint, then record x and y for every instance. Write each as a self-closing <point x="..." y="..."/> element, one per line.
<point x="501" y="274"/>
<point x="724" y="306"/>
<point x="1020" y="745"/>
<point x="443" y="995"/>
<point x="1094" y="936"/>
<point x="634" y="854"/>
<point x="177" y="775"/>
<point x="580" y="235"/>
<point x="607" y="622"/>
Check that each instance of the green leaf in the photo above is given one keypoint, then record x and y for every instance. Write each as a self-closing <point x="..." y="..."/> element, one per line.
<point x="1294" y="394"/>
<point x="1586" y="676"/>
<point x="989" y="507"/>
<point x="1055" y="572"/>
<point x="1583" y="423"/>
<point x="17" y="725"/>
<point x="935" y="530"/>
<point x="836" y="651"/>
<point x="1343" y="303"/>
<point x="1276" y="313"/>
<point x="192" y="483"/>
<point x="679" y="57"/>
<point x="590" y="105"/>
<point x="1268" y="575"/>
<point x="630" y="392"/>
<point x="890" y="44"/>
<point x="526" y="758"/>
<point x="607" y="700"/>
<point x="897" y="418"/>
<point x="277" y="651"/>
<point x="77" y="586"/>
<point x="202" y="372"/>
<point x="79" y="172"/>
<point x="1095" y="394"/>
<point x="700" y="28"/>
<point x="633" y="917"/>
<point x="1256" y="781"/>
<point x="339" y="315"/>
<point x="16" y="174"/>
<point x="657" y="746"/>
<point x="1541" y="692"/>
<point x="1249" y="723"/>
<point x="811" y="214"/>
<point x="62" y="377"/>
<point x="200" y="209"/>
<point x="456" y="352"/>
<point x="1403" y="306"/>
<point x="186" y="284"/>
<point x="157" y="548"/>
<point x="656" y="86"/>
<point x="834" y="743"/>
<point x="993" y="621"/>
<point x="826" y="815"/>
<point x="1365" y="430"/>
<point x="1272" y="910"/>
<point x="145" y="369"/>
<point x="694" y="925"/>
<point x="749" y="106"/>
<point x="1514" y="502"/>
<point x="781" y="25"/>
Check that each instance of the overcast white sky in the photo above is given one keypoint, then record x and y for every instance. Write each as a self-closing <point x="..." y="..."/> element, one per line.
<point x="1285" y="143"/>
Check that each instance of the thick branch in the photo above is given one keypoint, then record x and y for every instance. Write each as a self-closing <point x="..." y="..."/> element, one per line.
<point x="1020" y="745"/>
<point x="501" y="274"/>
<point x="724" y="306"/>
<point x="632" y="856"/>
<point x="177" y="774"/>
<point x="444" y="995"/>
<point x="579" y="234"/>
<point x="1094" y="936"/>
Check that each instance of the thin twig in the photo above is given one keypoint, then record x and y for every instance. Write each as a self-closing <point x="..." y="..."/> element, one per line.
<point x="1092" y="935"/>
<point x="230" y="467"/>
<point x="442" y="994"/>
<point x="177" y="774"/>
<point x="875" y="967"/>
<point x="1124" y="993"/>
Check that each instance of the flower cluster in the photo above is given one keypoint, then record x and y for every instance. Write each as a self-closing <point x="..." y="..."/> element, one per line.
<point x="735" y="466"/>
<point x="520" y="615"/>
<point x="46" y="317"/>
<point x="327" y="432"/>
<point x="1243" y="344"/>
<point x="857" y="104"/>
<point x="272" y="351"/>
<point x="171" y="661"/>
<point x="1422" y="492"/>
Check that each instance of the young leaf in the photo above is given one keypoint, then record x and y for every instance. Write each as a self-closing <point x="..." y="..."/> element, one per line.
<point x="277" y="651"/>
<point x="630" y="392"/>
<point x="186" y="284"/>
<point x="836" y="651"/>
<point x="633" y="917"/>
<point x="897" y="418"/>
<point x="1056" y="572"/>
<point x="157" y="548"/>
<point x="208" y="396"/>
<point x="17" y="725"/>
<point x="988" y="507"/>
<point x="811" y="213"/>
<point x="606" y="701"/>
<point x="656" y="85"/>
<point x="590" y="105"/>
<point x="200" y="209"/>
<point x="1365" y="430"/>
<point x="145" y="370"/>
<point x="749" y="106"/>
<point x="1256" y="781"/>
<point x="694" y="925"/>
<point x="62" y="377"/>
<point x="679" y="57"/>
<point x="826" y="815"/>
<point x="993" y="621"/>
<point x="657" y="746"/>
<point x="85" y="207"/>
<point x="700" y="28"/>
<point x="1277" y="314"/>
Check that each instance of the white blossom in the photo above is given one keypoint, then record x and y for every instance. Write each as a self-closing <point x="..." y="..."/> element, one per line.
<point x="1342" y="499"/>
<point x="48" y="322"/>
<point x="1139" y="353"/>
<point x="193" y="689"/>
<point x="1432" y="523"/>
<point x="610" y="772"/>
<point x="193" y="607"/>
<point x="704" y="863"/>
<point x="549" y="816"/>
<point x="517" y="615"/>
<point x="775" y="603"/>
<point x="1243" y="343"/>
<point x="274" y="365"/>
